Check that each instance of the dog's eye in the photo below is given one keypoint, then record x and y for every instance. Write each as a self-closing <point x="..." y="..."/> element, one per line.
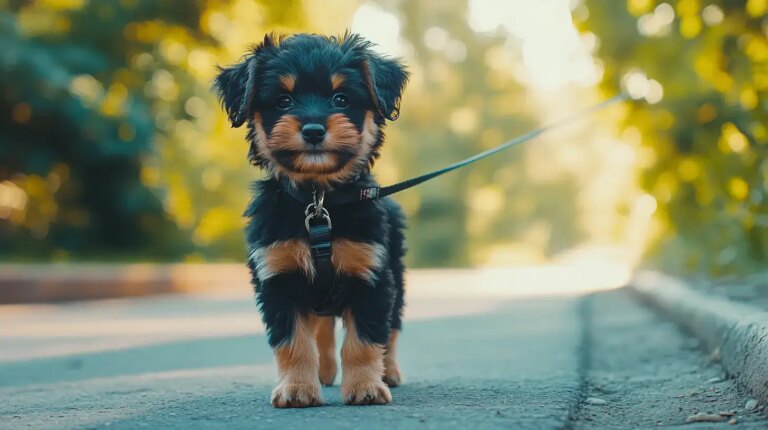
<point x="340" y="100"/>
<point x="284" y="102"/>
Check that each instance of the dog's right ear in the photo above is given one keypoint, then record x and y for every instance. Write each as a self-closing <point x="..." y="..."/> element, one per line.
<point x="236" y="85"/>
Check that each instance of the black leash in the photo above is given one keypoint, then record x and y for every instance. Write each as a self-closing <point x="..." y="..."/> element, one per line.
<point x="352" y="193"/>
<point x="400" y="186"/>
<point x="318" y="221"/>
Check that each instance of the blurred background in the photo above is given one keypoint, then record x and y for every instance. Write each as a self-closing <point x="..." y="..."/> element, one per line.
<point x="113" y="148"/>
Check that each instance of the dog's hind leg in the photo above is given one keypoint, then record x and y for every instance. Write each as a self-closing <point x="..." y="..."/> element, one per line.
<point x="326" y="346"/>
<point x="392" y="375"/>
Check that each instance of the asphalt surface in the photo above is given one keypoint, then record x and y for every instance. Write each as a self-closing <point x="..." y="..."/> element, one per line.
<point x="588" y="361"/>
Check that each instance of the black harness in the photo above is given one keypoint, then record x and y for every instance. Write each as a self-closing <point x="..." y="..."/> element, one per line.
<point x="318" y="221"/>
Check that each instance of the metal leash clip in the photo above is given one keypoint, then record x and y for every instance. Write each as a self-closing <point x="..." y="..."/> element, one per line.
<point x="316" y="210"/>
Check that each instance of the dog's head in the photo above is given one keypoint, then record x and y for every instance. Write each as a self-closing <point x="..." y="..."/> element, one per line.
<point x="315" y="106"/>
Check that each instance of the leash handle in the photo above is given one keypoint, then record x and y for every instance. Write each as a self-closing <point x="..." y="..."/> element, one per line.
<point x="379" y="192"/>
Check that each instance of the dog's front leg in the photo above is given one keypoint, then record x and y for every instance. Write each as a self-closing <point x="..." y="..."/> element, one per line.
<point x="362" y="364"/>
<point x="280" y="271"/>
<point x="297" y="366"/>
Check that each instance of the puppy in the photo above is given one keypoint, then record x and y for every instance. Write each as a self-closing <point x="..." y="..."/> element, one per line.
<point x="315" y="108"/>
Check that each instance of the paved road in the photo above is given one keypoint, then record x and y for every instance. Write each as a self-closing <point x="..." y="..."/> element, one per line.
<point x="560" y="361"/>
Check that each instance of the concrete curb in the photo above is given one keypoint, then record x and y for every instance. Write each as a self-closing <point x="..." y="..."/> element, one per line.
<point x="739" y="332"/>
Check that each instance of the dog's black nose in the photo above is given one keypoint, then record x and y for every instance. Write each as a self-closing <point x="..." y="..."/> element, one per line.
<point x="313" y="133"/>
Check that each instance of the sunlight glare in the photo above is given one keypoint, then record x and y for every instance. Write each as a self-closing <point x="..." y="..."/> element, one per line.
<point x="552" y="48"/>
<point x="379" y="26"/>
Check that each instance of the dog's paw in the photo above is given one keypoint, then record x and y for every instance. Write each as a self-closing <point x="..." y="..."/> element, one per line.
<point x="365" y="393"/>
<point x="328" y="371"/>
<point x="392" y="375"/>
<point x="296" y="395"/>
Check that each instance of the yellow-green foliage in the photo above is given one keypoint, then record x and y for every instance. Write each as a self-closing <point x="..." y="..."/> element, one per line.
<point x="130" y="111"/>
<point x="706" y="138"/>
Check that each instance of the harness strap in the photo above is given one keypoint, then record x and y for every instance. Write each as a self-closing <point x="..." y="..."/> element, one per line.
<point x="319" y="229"/>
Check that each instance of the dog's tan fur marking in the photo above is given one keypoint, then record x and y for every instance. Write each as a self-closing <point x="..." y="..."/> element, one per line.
<point x="315" y="164"/>
<point x="371" y="88"/>
<point x="392" y="375"/>
<point x="283" y="257"/>
<point x="286" y="134"/>
<point x="288" y="82"/>
<point x="357" y="258"/>
<point x="337" y="80"/>
<point x="342" y="136"/>
<point x="326" y="346"/>
<point x="341" y="133"/>
<point x="362" y="369"/>
<point x="261" y="141"/>
<point x="297" y="368"/>
<point x="321" y="169"/>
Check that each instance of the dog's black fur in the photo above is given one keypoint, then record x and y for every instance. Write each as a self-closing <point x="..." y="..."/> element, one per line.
<point x="282" y="85"/>
<point x="377" y="307"/>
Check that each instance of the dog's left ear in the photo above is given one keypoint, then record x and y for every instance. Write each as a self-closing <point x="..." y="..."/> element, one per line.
<point x="386" y="79"/>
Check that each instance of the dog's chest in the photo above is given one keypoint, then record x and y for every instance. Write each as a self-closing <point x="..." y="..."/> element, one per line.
<point x="279" y="242"/>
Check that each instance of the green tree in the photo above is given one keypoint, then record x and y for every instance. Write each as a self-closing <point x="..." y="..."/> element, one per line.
<point x="706" y="139"/>
<point x="112" y="145"/>
<point x="459" y="107"/>
<point x="75" y="130"/>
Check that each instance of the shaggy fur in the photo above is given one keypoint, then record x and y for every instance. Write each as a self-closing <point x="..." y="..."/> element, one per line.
<point x="315" y="108"/>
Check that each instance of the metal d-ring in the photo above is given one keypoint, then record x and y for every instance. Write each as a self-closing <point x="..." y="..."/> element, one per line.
<point x="317" y="207"/>
<point x="324" y="214"/>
